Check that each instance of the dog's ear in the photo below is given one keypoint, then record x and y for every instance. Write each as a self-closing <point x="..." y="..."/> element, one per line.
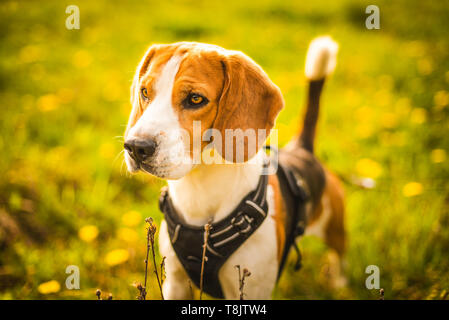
<point x="136" y="110"/>
<point x="249" y="100"/>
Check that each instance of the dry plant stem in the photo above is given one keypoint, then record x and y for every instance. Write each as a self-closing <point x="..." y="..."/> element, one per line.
<point x="143" y="290"/>
<point x="163" y="270"/>
<point x="203" y="259"/>
<point x="246" y="273"/>
<point x="240" y="275"/>
<point x="155" y="269"/>
<point x="150" y="237"/>
<point x="191" y="290"/>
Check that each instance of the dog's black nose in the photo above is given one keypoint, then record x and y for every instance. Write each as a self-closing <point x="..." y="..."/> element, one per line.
<point x="140" y="150"/>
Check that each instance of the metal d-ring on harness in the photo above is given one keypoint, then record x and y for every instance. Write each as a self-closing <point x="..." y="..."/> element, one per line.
<point x="228" y="234"/>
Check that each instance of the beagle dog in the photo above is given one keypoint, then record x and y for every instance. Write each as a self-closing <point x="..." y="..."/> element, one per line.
<point x="178" y="84"/>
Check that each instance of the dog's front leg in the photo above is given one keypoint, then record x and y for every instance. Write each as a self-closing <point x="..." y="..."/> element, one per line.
<point x="176" y="284"/>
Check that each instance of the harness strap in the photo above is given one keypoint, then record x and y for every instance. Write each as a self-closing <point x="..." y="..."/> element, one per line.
<point x="226" y="235"/>
<point x="295" y="196"/>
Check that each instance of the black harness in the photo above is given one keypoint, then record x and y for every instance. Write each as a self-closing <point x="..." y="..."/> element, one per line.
<point x="228" y="234"/>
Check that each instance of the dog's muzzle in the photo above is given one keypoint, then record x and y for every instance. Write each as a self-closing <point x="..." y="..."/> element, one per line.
<point x="140" y="150"/>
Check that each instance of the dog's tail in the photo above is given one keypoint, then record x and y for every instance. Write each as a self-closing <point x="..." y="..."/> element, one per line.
<point x="320" y="62"/>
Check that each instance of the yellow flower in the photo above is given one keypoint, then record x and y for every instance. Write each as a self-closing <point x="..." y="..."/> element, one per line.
<point x="127" y="234"/>
<point x="418" y="115"/>
<point x="415" y="48"/>
<point x="132" y="218"/>
<point x="65" y="95"/>
<point x="441" y="99"/>
<point x="403" y="106"/>
<point x="49" y="287"/>
<point x="386" y="81"/>
<point x="364" y="113"/>
<point x="82" y="59"/>
<point x="412" y="189"/>
<point x="116" y="257"/>
<point x="48" y="102"/>
<point x="425" y="66"/>
<point x="383" y="97"/>
<point x="364" y="130"/>
<point x="438" y="155"/>
<point x="389" y="120"/>
<point x="30" y="53"/>
<point x="88" y="233"/>
<point x="368" y="168"/>
<point x="351" y="96"/>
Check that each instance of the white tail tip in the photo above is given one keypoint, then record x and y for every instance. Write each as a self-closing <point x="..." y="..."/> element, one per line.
<point x="321" y="58"/>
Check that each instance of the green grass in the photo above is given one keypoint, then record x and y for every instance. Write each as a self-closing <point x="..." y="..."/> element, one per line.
<point x="64" y="101"/>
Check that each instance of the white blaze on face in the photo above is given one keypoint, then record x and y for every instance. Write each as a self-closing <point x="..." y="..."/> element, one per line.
<point x="160" y="123"/>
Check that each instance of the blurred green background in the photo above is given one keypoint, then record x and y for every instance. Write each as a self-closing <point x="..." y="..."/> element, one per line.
<point x="65" y="196"/>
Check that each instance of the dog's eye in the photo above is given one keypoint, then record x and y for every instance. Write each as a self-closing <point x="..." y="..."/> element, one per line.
<point x="144" y="93"/>
<point x="195" y="100"/>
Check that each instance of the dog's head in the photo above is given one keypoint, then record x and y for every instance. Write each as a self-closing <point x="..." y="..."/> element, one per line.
<point x="178" y="85"/>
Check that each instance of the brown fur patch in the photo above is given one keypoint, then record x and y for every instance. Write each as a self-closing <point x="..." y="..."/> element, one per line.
<point x="250" y="100"/>
<point x="240" y="94"/>
<point x="335" y="230"/>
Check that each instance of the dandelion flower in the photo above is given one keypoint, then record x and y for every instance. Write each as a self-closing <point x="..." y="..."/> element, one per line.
<point x="368" y="168"/>
<point x="365" y="130"/>
<point x="418" y="115"/>
<point x="82" y="59"/>
<point x="131" y="218"/>
<point x="116" y="257"/>
<point x="48" y="102"/>
<point x="441" y="98"/>
<point x="88" y="233"/>
<point x="127" y="234"/>
<point x="412" y="189"/>
<point x="438" y="155"/>
<point x="425" y="66"/>
<point x="48" y="287"/>
<point x="389" y="120"/>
